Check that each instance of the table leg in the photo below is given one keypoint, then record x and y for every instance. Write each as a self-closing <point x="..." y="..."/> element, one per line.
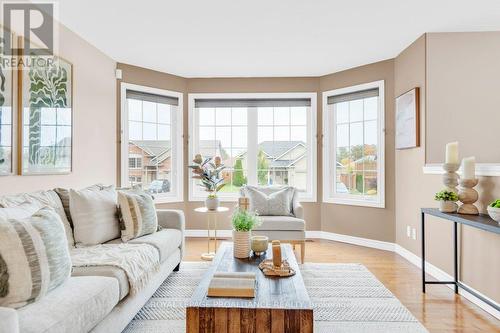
<point x="422" y="235"/>
<point x="215" y="231"/>
<point x="455" y="255"/>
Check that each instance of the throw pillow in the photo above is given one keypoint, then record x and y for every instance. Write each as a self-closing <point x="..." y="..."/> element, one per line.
<point x="94" y="214"/>
<point x="21" y="211"/>
<point x="138" y="214"/>
<point x="278" y="203"/>
<point x="34" y="257"/>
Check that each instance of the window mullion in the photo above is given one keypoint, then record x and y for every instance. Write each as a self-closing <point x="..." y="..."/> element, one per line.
<point x="252" y="145"/>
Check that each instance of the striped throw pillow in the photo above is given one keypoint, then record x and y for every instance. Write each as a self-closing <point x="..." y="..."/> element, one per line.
<point x="138" y="214"/>
<point x="34" y="257"/>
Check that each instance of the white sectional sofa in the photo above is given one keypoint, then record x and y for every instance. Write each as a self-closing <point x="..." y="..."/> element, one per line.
<point x="97" y="299"/>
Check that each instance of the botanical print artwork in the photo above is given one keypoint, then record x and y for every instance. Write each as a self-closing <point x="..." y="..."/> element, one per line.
<point x="5" y="115"/>
<point x="47" y="113"/>
<point x="407" y="135"/>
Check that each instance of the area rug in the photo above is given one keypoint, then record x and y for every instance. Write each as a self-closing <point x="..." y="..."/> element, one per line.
<point x="346" y="298"/>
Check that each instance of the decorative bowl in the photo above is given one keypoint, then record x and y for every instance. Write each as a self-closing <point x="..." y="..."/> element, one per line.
<point x="494" y="213"/>
<point x="259" y="244"/>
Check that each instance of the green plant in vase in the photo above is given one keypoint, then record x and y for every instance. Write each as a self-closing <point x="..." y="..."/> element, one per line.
<point x="243" y="223"/>
<point x="447" y="201"/>
<point x="209" y="172"/>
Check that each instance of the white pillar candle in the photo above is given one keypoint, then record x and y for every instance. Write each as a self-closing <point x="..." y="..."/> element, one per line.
<point x="469" y="168"/>
<point x="452" y="153"/>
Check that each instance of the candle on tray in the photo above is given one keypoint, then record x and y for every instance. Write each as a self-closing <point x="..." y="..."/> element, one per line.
<point x="469" y="168"/>
<point x="452" y="153"/>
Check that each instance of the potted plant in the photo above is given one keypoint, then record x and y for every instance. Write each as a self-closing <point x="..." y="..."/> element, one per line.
<point x="494" y="210"/>
<point x="243" y="223"/>
<point x="447" y="201"/>
<point x="209" y="173"/>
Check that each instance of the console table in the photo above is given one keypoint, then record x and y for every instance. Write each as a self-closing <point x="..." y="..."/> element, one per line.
<point x="482" y="221"/>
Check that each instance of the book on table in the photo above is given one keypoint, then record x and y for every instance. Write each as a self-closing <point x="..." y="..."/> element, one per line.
<point x="232" y="284"/>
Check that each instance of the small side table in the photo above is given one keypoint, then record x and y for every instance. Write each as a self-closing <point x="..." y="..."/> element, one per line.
<point x="211" y="216"/>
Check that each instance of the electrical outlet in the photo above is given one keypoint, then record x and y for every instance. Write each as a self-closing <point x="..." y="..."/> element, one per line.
<point x="408" y="231"/>
<point x="414" y="233"/>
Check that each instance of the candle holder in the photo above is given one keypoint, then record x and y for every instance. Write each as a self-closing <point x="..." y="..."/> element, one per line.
<point x="468" y="195"/>
<point x="450" y="178"/>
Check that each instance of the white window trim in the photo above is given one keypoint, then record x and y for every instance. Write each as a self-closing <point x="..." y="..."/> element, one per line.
<point x="177" y="132"/>
<point x="329" y="137"/>
<point x="251" y="137"/>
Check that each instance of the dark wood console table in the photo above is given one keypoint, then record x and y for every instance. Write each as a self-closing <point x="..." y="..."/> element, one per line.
<point x="482" y="221"/>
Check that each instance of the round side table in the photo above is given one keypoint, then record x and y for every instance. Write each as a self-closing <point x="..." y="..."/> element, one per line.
<point x="211" y="219"/>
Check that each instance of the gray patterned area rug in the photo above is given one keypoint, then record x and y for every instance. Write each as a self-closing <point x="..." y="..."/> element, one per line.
<point x="346" y="298"/>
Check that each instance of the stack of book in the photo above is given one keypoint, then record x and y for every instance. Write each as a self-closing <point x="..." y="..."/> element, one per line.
<point x="232" y="284"/>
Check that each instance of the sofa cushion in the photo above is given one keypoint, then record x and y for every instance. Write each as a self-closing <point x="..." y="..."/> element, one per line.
<point x="278" y="203"/>
<point x="281" y="223"/>
<point x="137" y="214"/>
<point x="94" y="215"/>
<point x="22" y="211"/>
<point x="109" y="271"/>
<point x="76" y="306"/>
<point x="42" y="198"/>
<point x="166" y="241"/>
<point x="34" y="257"/>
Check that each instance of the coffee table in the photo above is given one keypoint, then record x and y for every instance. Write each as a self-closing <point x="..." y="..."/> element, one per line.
<point x="280" y="304"/>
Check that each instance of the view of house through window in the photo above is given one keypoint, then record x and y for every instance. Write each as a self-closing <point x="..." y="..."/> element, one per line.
<point x="261" y="141"/>
<point x="150" y="121"/>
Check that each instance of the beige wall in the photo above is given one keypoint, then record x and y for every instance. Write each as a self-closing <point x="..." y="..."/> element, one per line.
<point x="479" y="262"/>
<point x="94" y="121"/>
<point x="373" y="223"/>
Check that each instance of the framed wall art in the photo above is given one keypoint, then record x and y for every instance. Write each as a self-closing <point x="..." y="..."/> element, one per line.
<point x="408" y="119"/>
<point x="46" y="108"/>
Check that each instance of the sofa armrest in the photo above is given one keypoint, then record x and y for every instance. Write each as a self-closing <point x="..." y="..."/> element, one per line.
<point x="9" y="320"/>
<point x="173" y="219"/>
<point x="298" y="210"/>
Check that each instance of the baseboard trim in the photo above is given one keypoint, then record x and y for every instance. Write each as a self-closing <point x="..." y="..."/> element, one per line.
<point x="432" y="270"/>
<point x="441" y="275"/>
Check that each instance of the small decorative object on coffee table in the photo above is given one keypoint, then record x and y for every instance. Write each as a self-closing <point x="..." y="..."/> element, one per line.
<point x="209" y="173"/>
<point x="243" y="223"/>
<point x="259" y="244"/>
<point x="447" y="201"/>
<point x="211" y="219"/>
<point x="276" y="266"/>
<point x="467" y="194"/>
<point x="494" y="210"/>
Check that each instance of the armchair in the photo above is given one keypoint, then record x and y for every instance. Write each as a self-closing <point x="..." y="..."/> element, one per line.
<point x="288" y="229"/>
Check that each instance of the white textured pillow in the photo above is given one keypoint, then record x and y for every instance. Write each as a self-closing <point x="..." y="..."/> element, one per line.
<point x="138" y="214"/>
<point x="94" y="215"/>
<point x="278" y="203"/>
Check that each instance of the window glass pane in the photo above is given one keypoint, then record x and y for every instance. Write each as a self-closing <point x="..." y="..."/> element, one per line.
<point x="239" y="116"/>
<point x="163" y="132"/>
<point x="281" y="133"/>
<point x="265" y="133"/>
<point x="239" y="136"/>
<point x="149" y="111"/>
<point x="206" y="116"/>
<point x="342" y="112"/>
<point x="356" y="110"/>
<point x="370" y="182"/>
<point x="298" y="133"/>
<point x="223" y="136"/>
<point x="282" y="116"/>
<point x="223" y="116"/>
<point x="371" y="132"/>
<point x="371" y="108"/>
<point x="298" y="115"/>
<point x="134" y="130"/>
<point x="265" y="116"/>
<point x="149" y="131"/>
<point x="164" y="113"/>
<point x="207" y="133"/>
<point x="343" y="135"/>
<point x="134" y="109"/>
<point x="356" y="134"/>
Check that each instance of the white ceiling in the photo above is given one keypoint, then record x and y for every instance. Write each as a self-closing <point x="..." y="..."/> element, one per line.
<point x="233" y="38"/>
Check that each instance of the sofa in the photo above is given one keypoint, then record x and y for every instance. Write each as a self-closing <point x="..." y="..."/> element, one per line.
<point x="95" y="298"/>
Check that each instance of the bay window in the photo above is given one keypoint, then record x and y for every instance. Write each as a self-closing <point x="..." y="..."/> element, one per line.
<point x="152" y="141"/>
<point x="263" y="139"/>
<point x="353" y="145"/>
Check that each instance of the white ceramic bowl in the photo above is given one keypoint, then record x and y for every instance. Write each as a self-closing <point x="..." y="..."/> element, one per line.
<point x="494" y="213"/>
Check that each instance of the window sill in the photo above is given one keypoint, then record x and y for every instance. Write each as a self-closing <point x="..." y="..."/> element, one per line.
<point x="353" y="202"/>
<point x="235" y="199"/>
<point x="167" y="200"/>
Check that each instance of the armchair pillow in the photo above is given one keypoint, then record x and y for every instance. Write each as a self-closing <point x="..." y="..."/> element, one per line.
<point x="34" y="257"/>
<point x="94" y="214"/>
<point x="278" y="203"/>
<point x="137" y="214"/>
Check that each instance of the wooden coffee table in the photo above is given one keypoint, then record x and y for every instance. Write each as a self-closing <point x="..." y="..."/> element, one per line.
<point x="280" y="304"/>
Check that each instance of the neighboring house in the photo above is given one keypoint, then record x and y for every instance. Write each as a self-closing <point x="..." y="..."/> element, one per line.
<point x="286" y="163"/>
<point x="148" y="160"/>
<point x="360" y="175"/>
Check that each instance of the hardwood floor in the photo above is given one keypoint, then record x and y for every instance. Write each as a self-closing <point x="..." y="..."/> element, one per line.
<point x="439" y="310"/>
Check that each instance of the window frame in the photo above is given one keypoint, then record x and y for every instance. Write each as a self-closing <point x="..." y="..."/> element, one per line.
<point x="252" y="137"/>
<point x="177" y="140"/>
<point x="330" y="148"/>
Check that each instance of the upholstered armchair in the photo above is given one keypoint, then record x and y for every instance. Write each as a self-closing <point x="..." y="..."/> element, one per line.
<point x="289" y="227"/>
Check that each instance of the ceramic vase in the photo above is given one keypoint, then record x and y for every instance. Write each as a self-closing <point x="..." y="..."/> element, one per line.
<point x="212" y="203"/>
<point x="241" y="244"/>
<point x="448" y="206"/>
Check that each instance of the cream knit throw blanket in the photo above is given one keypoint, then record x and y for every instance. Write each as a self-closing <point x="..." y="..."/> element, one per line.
<point x="139" y="261"/>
